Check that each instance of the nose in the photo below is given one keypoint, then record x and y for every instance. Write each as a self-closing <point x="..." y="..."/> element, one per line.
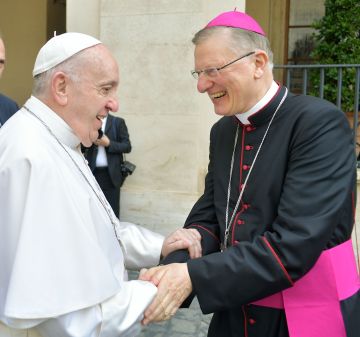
<point x="204" y="83"/>
<point x="112" y="104"/>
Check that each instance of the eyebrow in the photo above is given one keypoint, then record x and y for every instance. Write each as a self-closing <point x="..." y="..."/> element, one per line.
<point x="111" y="83"/>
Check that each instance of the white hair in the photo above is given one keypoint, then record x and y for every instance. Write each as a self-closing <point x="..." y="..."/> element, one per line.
<point x="240" y="41"/>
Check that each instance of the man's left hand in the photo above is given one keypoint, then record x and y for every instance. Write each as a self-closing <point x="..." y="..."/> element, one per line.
<point x="183" y="238"/>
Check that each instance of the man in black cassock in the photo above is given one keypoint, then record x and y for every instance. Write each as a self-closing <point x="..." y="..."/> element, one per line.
<point x="278" y="208"/>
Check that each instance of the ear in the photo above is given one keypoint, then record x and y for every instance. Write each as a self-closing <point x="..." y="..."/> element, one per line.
<point x="261" y="62"/>
<point x="60" y="88"/>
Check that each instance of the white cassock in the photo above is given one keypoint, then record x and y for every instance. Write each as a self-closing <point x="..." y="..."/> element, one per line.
<point x="62" y="269"/>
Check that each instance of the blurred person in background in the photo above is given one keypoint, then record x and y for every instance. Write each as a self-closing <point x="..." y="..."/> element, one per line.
<point x="106" y="156"/>
<point x="7" y="106"/>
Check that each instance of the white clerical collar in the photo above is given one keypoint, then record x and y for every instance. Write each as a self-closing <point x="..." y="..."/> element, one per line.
<point x="244" y="117"/>
<point x="57" y="125"/>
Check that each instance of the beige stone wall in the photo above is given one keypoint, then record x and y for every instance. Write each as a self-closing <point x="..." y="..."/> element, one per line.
<point x="83" y="16"/>
<point x="168" y="121"/>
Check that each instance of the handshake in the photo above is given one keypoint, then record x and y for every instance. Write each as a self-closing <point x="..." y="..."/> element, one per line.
<point x="173" y="280"/>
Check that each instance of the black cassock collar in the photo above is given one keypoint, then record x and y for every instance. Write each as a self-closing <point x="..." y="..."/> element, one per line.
<point x="264" y="115"/>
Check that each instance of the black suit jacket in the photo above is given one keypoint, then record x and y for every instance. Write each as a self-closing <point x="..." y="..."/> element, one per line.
<point x="118" y="134"/>
<point x="7" y="108"/>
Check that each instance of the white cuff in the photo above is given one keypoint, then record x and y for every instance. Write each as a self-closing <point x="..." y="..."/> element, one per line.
<point x="122" y="313"/>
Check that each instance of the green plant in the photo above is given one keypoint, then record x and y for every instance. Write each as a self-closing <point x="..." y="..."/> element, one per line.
<point x="337" y="41"/>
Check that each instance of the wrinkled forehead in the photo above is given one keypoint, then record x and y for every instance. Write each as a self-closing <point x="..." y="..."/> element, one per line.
<point x="100" y="66"/>
<point x="212" y="52"/>
<point x="214" y="40"/>
<point x="102" y="59"/>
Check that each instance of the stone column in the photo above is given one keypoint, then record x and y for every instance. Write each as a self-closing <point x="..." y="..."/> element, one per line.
<point x="168" y="120"/>
<point x="83" y="16"/>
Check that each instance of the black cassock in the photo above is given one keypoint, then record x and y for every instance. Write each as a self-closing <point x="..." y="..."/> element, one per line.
<point x="299" y="201"/>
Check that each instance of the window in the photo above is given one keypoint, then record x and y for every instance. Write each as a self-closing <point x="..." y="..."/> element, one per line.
<point x="302" y="13"/>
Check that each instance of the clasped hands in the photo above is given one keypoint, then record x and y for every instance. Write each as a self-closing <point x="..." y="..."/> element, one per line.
<point x="103" y="141"/>
<point x="173" y="280"/>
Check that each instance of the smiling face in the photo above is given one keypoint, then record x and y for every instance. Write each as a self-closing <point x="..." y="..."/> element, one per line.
<point x="236" y="88"/>
<point x="93" y="94"/>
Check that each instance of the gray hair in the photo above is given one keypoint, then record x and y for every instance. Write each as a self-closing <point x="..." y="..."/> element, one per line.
<point x="240" y="41"/>
<point x="72" y="67"/>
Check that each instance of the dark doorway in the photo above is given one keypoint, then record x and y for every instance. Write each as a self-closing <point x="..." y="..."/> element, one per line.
<point x="56" y="17"/>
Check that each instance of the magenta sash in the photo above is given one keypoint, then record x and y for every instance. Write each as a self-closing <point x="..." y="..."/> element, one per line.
<point x="312" y="304"/>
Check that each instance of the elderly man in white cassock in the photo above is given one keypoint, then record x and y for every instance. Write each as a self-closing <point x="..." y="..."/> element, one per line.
<point x="63" y="252"/>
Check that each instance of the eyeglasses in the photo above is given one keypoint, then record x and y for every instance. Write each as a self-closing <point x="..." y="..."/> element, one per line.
<point x="213" y="72"/>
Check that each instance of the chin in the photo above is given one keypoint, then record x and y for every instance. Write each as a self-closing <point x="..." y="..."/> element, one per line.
<point x="86" y="143"/>
<point x="221" y="110"/>
<point x="222" y="113"/>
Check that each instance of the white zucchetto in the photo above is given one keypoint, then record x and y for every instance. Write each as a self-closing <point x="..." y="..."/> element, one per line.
<point x="60" y="48"/>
